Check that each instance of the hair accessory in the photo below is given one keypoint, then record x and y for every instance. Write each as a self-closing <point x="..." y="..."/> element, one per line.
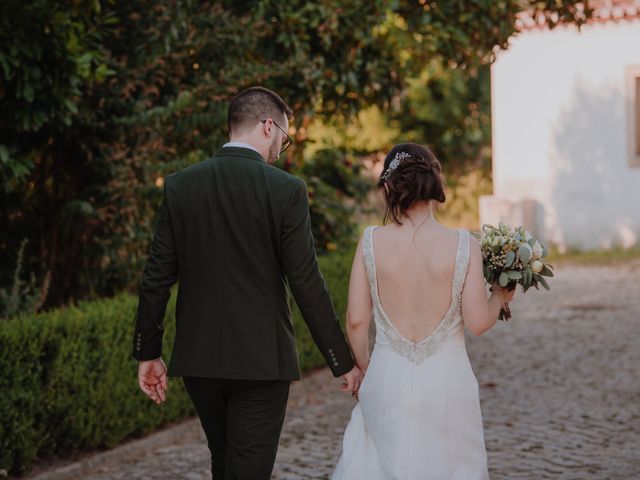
<point x="394" y="164"/>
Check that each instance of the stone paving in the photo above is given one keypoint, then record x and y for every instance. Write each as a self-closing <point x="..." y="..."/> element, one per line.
<point x="560" y="393"/>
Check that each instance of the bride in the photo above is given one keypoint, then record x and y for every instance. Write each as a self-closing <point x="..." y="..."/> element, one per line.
<point x="418" y="415"/>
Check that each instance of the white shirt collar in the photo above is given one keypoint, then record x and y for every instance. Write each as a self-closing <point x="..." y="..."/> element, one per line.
<point x="241" y="145"/>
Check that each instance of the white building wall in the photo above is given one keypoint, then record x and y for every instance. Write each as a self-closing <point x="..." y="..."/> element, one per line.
<point x="560" y="133"/>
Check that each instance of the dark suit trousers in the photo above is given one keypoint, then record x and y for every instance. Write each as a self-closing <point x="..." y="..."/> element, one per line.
<point x="242" y="420"/>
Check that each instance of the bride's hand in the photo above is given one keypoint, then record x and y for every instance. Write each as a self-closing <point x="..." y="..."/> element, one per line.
<point x="351" y="380"/>
<point x="354" y="394"/>
<point x="506" y="294"/>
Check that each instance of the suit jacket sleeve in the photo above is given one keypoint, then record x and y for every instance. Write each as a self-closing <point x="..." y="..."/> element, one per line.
<point x="308" y="285"/>
<point x="159" y="275"/>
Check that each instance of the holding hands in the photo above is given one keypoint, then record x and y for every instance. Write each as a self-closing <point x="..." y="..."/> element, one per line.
<point x="351" y="381"/>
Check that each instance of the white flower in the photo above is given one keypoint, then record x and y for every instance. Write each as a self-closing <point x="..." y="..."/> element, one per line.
<point x="537" y="250"/>
<point x="537" y="266"/>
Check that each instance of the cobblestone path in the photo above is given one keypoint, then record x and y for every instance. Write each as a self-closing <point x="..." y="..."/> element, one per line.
<point x="560" y="393"/>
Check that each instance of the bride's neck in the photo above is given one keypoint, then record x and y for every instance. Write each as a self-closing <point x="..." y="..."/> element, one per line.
<point x="420" y="214"/>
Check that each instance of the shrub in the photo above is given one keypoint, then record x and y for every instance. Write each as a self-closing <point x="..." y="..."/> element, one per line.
<point x="68" y="379"/>
<point x="23" y="297"/>
<point x="336" y="268"/>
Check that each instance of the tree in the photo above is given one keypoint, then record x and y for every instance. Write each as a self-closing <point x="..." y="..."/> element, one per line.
<point x="100" y="99"/>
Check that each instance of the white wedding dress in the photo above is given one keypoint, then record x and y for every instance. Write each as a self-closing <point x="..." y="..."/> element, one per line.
<point x="418" y="415"/>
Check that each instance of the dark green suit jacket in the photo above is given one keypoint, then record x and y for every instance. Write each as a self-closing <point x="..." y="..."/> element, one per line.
<point x="231" y="230"/>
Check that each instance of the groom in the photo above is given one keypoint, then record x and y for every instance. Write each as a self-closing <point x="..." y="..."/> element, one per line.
<point x="233" y="231"/>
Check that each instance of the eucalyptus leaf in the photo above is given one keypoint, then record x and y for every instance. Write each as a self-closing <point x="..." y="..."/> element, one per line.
<point x="511" y="256"/>
<point x="525" y="252"/>
<point x="544" y="283"/>
<point x="504" y="279"/>
<point x="513" y="275"/>
<point x="528" y="275"/>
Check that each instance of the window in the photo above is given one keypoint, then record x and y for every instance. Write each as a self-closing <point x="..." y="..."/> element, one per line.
<point x="633" y="116"/>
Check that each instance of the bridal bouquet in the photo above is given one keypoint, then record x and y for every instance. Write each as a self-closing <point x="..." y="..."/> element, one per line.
<point x="511" y="257"/>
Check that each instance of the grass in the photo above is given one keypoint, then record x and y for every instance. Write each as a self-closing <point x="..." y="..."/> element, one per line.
<point x="594" y="257"/>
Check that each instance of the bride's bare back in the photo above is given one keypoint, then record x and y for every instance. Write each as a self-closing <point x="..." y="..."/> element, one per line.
<point x="415" y="270"/>
<point x="415" y="260"/>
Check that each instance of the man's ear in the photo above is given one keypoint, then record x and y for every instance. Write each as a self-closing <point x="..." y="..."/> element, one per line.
<point x="267" y="127"/>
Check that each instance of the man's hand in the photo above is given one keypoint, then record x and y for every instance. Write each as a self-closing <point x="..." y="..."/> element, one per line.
<point x="351" y="381"/>
<point x="152" y="379"/>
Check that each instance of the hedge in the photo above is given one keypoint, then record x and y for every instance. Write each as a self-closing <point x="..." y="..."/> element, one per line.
<point x="68" y="379"/>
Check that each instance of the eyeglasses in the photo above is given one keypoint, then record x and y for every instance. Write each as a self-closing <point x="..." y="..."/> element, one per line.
<point x="288" y="141"/>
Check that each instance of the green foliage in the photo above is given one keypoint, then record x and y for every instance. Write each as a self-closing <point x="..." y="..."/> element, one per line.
<point x="81" y="181"/>
<point x="69" y="381"/>
<point x="51" y="50"/>
<point x="371" y="130"/>
<point x="99" y="100"/>
<point x="336" y="189"/>
<point x="449" y="110"/>
<point x="467" y="34"/>
<point x="23" y="297"/>
<point x="446" y="109"/>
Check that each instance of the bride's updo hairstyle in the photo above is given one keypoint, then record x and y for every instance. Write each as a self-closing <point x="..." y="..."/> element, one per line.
<point x="411" y="173"/>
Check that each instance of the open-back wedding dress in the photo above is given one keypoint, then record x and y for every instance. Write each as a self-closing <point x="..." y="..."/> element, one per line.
<point x="418" y="415"/>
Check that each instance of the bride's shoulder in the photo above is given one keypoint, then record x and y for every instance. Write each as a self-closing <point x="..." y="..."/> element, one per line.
<point x="474" y="241"/>
<point x="464" y="234"/>
<point x="475" y="248"/>
<point x="368" y="230"/>
<point x="447" y="233"/>
<point x="464" y="239"/>
<point x="365" y="232"/>
<point x="366" y="236"/>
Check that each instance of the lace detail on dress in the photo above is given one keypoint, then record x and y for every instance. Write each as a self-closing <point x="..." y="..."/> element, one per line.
<point x="417" y="352"/>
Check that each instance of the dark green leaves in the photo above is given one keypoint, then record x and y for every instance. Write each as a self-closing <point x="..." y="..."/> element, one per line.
<point x="99" y="100"/>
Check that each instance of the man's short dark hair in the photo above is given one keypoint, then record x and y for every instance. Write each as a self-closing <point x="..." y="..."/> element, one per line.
<point x="253" y="105"/>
